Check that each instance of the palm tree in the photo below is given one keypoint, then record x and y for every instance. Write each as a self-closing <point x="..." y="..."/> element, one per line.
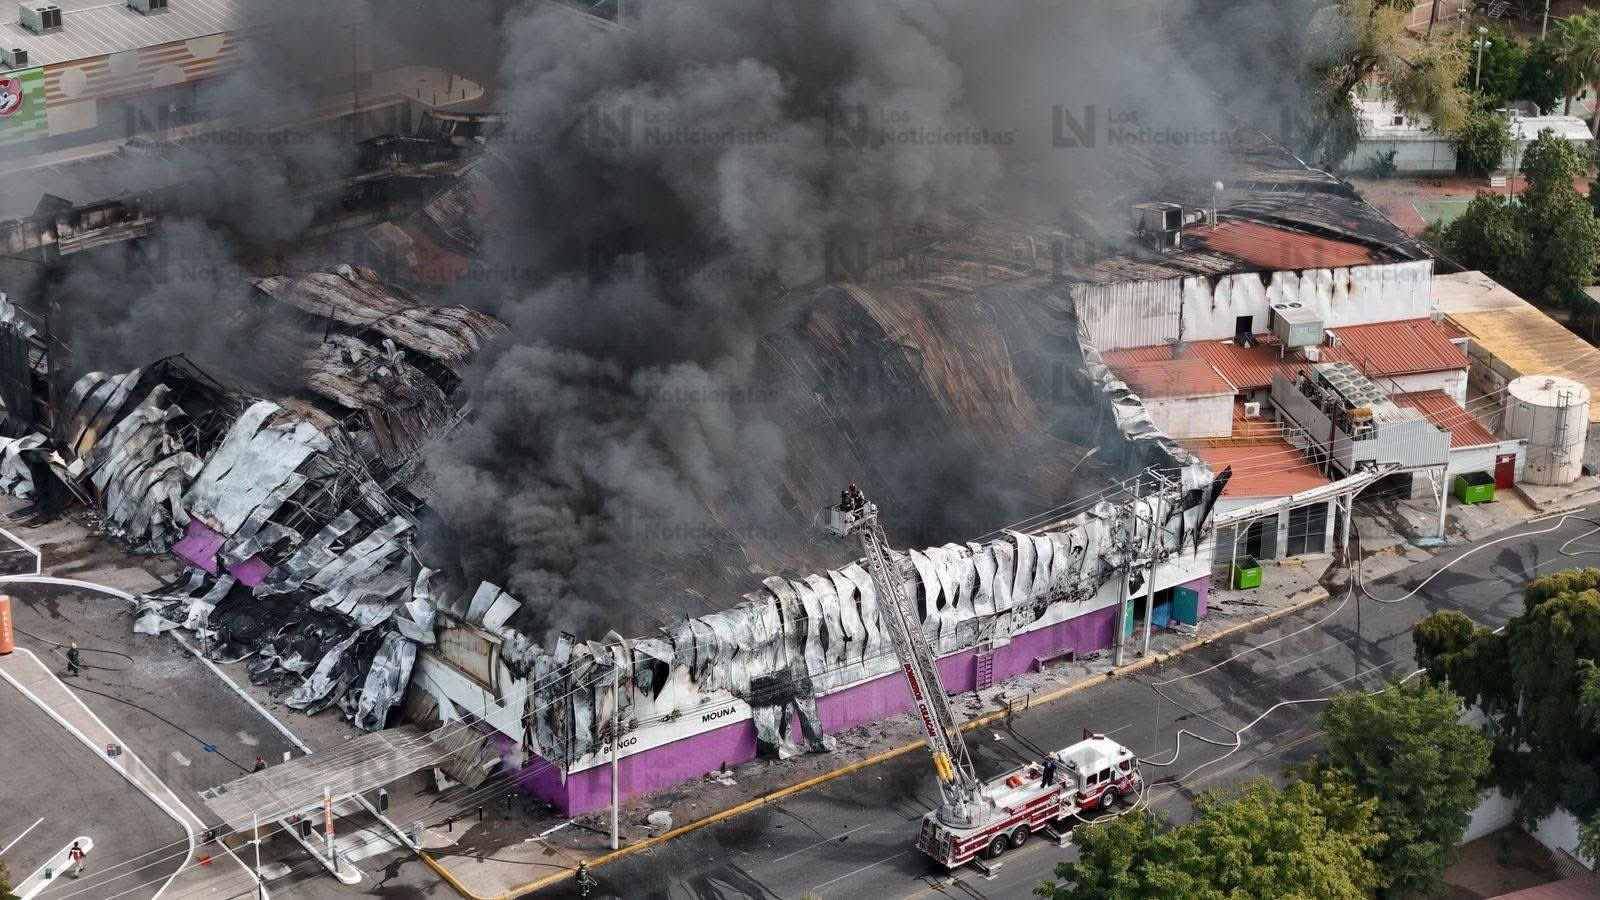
<point x="1575" y="44"/>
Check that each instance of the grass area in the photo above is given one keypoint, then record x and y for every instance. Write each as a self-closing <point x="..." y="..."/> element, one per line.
<point x="1440" y="210"/>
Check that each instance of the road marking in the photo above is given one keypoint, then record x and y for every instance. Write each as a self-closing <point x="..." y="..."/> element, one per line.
<point x="20" y="836"/>
<point x="821" y="842"/>
<point x="1115" y="730"/>
<point x="60" y="867"/>
<point x="860" y="870"/>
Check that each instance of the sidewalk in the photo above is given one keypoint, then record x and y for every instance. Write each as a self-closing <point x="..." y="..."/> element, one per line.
<point x="38" y="682"/>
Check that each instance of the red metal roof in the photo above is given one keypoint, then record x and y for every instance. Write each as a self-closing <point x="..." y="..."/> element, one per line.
<point x="1401" y="348"/>
<point x="1381" y="350"/>
<point x="1442" y="410"/>
<point x="1267" y="468"/>
<point x="1192" y="377"/>
<point x="1279" y="249"/>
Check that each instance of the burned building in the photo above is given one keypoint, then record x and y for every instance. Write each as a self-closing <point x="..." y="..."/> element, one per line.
<point x="968" y="340"/>
<point x="293" y="500"/>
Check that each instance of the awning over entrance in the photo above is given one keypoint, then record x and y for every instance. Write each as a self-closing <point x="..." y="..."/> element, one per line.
<point x="361" y="764"/>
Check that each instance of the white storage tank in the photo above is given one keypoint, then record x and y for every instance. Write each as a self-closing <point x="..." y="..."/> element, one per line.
<point x="1552" y="414"/>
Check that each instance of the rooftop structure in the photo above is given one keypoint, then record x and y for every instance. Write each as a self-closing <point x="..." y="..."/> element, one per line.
<point x="95" y="30"/>
<point x="1381" y="350"/>
<point x="1444" y="412"/>
<point x="1511" y="337"/>
<point x="1262" y="467"/>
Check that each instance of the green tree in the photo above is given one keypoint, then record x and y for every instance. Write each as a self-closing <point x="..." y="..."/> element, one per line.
<point x="1575" y="43"/>
<point x="1500" y="80"/>
<point x="1489" y="236"/>
<point x="1309" y="840"/>
<point x="5" y="884"/>
<point x="1406" y="747"/>
<point x="1350" y="43"/>
<point x="1535" y="680"/>
<point x="1560" y="224"/>
<point x="1545" y="245"/>
<point x="1539" y="82"/>
<point x="1483" y="142"/>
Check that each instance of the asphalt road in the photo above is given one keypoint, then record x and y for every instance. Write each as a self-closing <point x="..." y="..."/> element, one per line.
<point x="47" y="773"/>
<point x="851" y="837"/>
<point x="165" y="705"/>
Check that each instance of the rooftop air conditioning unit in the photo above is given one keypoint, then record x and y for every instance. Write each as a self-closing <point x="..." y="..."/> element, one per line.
<point x="1313" y="353"/>
<point x="39" y="18"/>
<point x="15" y="58"/>
<point x="147" y="7"/>
<point x="1252" y="410"/>
<point x="1161" y="224"/>
<point x="1296" y="324"/>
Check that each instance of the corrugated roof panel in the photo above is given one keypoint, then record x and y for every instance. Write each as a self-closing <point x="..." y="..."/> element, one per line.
<point x="1442" y="410"/>
<point x="1513" y="336"/>
<point x="1400" y="348"/>
<point x="1380" y="350"/>
<point x="1279" y="249"/>
<point x="1174" y="378"/>
<point x="111" y="27"/>
<point x="1268" y="468"/>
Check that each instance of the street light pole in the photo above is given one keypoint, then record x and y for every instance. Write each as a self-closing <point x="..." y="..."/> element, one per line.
<point x="1480" y="43"/>
<point x="1544" y="27"/>
<point x="255" y="838"/>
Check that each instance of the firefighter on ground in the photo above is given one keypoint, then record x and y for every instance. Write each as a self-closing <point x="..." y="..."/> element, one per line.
<point x="72" y="661"/>
<point x="585" y="880"/>
<point x="261" y="763"/>
<point x="75" y="860"/>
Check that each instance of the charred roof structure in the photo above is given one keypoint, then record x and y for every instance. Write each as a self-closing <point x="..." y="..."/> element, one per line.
<point x="293" y="501"/>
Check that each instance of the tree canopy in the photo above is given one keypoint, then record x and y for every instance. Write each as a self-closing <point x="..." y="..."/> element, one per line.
<point x="1535" y="679"/>
<point x="1309" y="840"/>
<point x="1543" y="246"/>
<point x="1406" y="747"/>
<point x="1483" y="142"/>
<point x="1352" y="42"/>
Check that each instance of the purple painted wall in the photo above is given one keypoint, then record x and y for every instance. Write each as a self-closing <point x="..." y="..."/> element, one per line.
<point x="887" y="695"/>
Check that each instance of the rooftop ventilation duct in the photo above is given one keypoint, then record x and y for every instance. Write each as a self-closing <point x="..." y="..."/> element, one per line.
<point x="39" y="18"/>
<point x="147" y="7"/>
<point x="15" y="58"/>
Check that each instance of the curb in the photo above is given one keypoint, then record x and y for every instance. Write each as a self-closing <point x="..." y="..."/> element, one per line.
<point x="122" y="770"/>
<point x="1317" y="596"/>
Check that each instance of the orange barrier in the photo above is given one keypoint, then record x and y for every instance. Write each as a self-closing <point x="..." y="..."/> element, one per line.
<point x="7" y="639"/>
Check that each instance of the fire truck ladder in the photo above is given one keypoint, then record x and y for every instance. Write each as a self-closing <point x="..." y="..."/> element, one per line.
<point x="958" y="781"/>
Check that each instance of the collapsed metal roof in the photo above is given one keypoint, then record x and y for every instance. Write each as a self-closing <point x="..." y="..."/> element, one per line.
<point x="356" y="296"/>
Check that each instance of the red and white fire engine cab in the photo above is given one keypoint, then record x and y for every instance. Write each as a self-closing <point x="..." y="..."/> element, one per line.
<point x="1090" y="776"/>
<point x="977" y="818"/>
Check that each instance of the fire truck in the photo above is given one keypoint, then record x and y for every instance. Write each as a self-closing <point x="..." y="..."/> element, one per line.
<point x="978" y="818"/>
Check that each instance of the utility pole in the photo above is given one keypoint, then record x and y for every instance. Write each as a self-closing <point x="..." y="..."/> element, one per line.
<point x="616" y="742"/>
<point x="1150" y="577"/>
<point x="1127" y="577"/>
<point x="1544" y="27"/>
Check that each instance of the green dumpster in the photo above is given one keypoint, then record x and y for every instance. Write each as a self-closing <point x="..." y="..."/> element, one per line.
<point x="1474" y="487"/>
<point x="1246" y="573"/>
